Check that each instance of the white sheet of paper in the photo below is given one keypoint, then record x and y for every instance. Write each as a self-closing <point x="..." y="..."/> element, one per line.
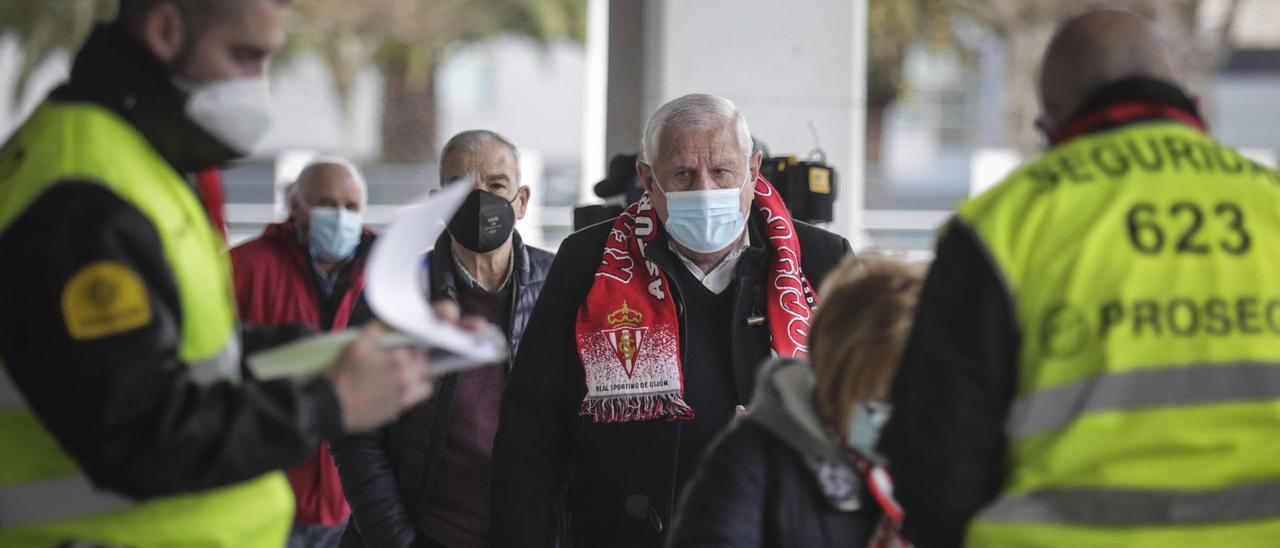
<point x="306" y="358"/>
<point x="393" y="277"/>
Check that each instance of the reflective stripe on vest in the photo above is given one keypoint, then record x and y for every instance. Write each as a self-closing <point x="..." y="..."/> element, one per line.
<point x="55" y="499"/>
<point x="63" y="497"/>
<point x="223" y="366"/>
<point x="1051" y="409"/>
<point x="9" y="394"/>
<point x="1136" y="508"/>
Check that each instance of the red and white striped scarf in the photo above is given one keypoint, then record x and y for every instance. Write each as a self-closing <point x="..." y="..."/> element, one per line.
<point x="627" y="330"/>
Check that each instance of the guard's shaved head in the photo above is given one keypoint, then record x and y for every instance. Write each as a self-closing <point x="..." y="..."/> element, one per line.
<point x="1093" y="50"/>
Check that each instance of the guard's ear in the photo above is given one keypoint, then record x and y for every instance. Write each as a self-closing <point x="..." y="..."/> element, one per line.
<point x="163" y="32"/>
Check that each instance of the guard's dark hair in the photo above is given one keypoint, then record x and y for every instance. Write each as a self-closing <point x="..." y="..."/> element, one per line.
<point x="197" y="14"/>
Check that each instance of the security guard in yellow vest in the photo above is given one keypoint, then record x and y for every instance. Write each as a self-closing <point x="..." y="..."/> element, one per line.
<point x="1096" y="353"/>
<point x="123" y="420"/>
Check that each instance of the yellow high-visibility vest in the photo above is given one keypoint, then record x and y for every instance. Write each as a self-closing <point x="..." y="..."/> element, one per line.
<point x="45" y="499"/>
<point x="1144" y="269"/>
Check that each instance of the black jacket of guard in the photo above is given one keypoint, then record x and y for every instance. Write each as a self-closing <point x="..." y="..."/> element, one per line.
<point x="388" y="474"/>
<point x="609" y="485"/>
<point x="124" y="406"/>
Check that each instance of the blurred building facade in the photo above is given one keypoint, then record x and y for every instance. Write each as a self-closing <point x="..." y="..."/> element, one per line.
<point x="946" y="130"/>
<point x="528" y="92"/>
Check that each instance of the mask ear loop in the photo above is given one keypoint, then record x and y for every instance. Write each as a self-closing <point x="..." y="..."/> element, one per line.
<point x="657" y="184"/>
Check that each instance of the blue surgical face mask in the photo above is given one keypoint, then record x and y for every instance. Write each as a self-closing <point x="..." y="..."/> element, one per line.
<point x="704" y="221"/>
<point x="869" y="417"/>
<point x="333" y="233"/>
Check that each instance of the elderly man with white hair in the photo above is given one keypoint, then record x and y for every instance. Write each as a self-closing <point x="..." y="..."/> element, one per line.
<point x="648" y="336"/>
<point x="309" y="271"/>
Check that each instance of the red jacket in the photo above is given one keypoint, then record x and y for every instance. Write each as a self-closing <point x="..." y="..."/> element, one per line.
<point x="276" y="285"/>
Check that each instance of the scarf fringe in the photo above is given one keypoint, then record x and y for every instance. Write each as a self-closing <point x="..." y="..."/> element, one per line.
<point x="670" y="405"/>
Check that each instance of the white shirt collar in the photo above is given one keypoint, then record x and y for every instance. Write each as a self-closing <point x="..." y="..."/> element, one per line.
<point x="722" y="275"/>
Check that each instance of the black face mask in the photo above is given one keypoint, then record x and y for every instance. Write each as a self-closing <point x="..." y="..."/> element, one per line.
<point x="483" y="223"/>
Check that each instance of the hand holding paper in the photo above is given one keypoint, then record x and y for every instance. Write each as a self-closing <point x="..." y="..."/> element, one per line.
<point x="375" y="384"/>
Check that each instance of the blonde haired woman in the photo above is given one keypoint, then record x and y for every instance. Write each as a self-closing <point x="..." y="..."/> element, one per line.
<point x="799" y="469"/>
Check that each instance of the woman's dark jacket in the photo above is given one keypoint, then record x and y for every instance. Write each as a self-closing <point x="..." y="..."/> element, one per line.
<point x="776" y="478"/>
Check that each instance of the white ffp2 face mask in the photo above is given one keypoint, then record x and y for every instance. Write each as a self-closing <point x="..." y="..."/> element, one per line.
<point x="237" y="112"/>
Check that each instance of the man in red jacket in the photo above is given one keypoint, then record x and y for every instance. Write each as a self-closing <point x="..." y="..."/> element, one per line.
<point x="309" y="270"/>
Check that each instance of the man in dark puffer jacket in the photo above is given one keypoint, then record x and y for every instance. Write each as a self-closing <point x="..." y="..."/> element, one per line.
<point x="424" y="480"/>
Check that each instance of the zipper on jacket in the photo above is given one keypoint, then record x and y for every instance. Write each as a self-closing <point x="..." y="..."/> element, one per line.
<point x="511" y="319"/>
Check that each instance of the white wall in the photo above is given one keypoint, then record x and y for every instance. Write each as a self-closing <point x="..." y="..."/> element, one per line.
<point x="782" y="63"/>
<point x="306" y="113"/>
<point x="1244" y="112"/>
<point x="537" y="94"/>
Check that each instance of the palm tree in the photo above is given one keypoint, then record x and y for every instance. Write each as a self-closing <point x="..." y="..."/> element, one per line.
<point x="44" y="29"/>
<point x="407" y="39"/>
